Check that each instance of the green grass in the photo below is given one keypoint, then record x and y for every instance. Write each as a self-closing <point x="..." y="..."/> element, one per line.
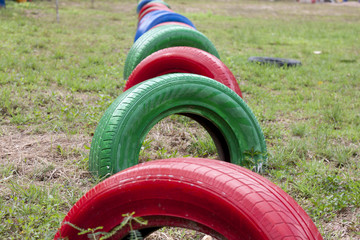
<point x="57" y="79"/>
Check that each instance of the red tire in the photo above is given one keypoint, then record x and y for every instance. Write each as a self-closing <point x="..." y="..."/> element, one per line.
<point x="215" y="197"/>
<point x="182" y="60"/>
<point x="151" y="5"/>
<point x="173" y="23"/>
<point x="148" y="10"/>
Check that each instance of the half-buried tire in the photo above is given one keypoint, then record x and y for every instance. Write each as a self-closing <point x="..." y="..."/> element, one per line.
<point x="173" y="23"/>
<point x="159" y="16"/>
<point x="164" y="37"/>
<point x="143" y="3"/>
<point x="151" y="9"/>
<point x="218" y="198"/>
<point x="226" y="117"/>
<point x="183" y="60"/>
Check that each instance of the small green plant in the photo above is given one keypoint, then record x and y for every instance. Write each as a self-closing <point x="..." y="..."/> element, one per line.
<point x="203" y="145"/>
<point x="298" y="130"/>
<point x="334" y="114"/>
<point x="251" y="160"/>
<point x="144" y="154"/>
<point x="163" y="153"/>
<point x="96" y="234"/>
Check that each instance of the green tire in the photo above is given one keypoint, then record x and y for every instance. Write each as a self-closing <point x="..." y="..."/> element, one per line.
<point x="164" y="37"/>
<point x="229" y="121"/>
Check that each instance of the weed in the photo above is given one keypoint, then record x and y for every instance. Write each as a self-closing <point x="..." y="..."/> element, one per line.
<point x="298" y="130"/>
<point x="251" y="160"/>
<point x="95" y="233"/>
<point x="202" y="146"/>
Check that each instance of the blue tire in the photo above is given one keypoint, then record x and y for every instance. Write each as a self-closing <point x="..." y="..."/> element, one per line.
<point x="156" y="17"/>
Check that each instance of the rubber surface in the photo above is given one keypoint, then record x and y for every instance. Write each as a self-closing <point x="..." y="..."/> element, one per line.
<point x="173" y="23"/>
<point x="214" y="197"/>
<point x="151" y="9"/>
<point x="152" y="5"/>
<point x="281" y="62"/>
<point x="229" y="121"/>
<point x="162" y="2"/>
<point x="144" y="2"/>
<point x="164" y="37"/>
<point x="156" y="17"/>
<point x="141" y="4"/>
<point x="183" y="60"/>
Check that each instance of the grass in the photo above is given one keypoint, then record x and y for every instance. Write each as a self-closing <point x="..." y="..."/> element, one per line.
<point x="57" y="79"/>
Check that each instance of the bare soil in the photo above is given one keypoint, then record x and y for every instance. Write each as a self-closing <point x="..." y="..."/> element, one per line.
<point x="344" y="223"/>
<point x="42" y="158"/>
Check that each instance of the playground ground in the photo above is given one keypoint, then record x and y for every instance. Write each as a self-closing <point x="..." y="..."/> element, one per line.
<point x="57" y="79"/>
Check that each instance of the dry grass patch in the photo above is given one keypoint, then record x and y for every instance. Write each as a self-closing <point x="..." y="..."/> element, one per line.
<point x="43" y="159"/>
<point x="172" y="233"/>
<point x="345" y="226"/>
<point x="177" y="136"/>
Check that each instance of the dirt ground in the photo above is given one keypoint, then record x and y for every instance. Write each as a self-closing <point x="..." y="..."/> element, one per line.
<point x="47" y="158"/>
<point x="42" y="158"/>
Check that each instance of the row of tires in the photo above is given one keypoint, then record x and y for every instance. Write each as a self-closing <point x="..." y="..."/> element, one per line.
<point x="174" y="69"/>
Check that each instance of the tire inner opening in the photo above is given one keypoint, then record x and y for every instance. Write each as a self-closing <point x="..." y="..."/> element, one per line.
<point x="184" y="135"/>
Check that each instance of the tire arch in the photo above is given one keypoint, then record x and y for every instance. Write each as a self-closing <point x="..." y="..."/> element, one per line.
<point x="164" y="37"/>
<point x="239" y="203"/>
<point x="183" y="60"/>
<point x="151" y="9"/>
<point x="156" y="17"/>
<point x="152" y="5"/>
<point x="172" y="23"/>
<point x="125" y="124"/>
<point x="143" y="3"/>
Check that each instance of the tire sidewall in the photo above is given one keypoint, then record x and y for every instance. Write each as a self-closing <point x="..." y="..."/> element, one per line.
<point x="185" y="93"/>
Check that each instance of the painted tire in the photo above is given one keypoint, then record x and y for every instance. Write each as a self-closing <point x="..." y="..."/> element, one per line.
<point x="152" y="5"/>
<point x="141" y="4"/>
<point x="164" y="37"/>
<point x="145" y="2"/>
<point x="214" y="197"/>
<point x="229" y="121"/>
<point x="183" y="60"/>
<point x="159" y="16"/>
<point x="159" y="1"/>
<point x="151" y="9"/>
<point x="173" y="23"/>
